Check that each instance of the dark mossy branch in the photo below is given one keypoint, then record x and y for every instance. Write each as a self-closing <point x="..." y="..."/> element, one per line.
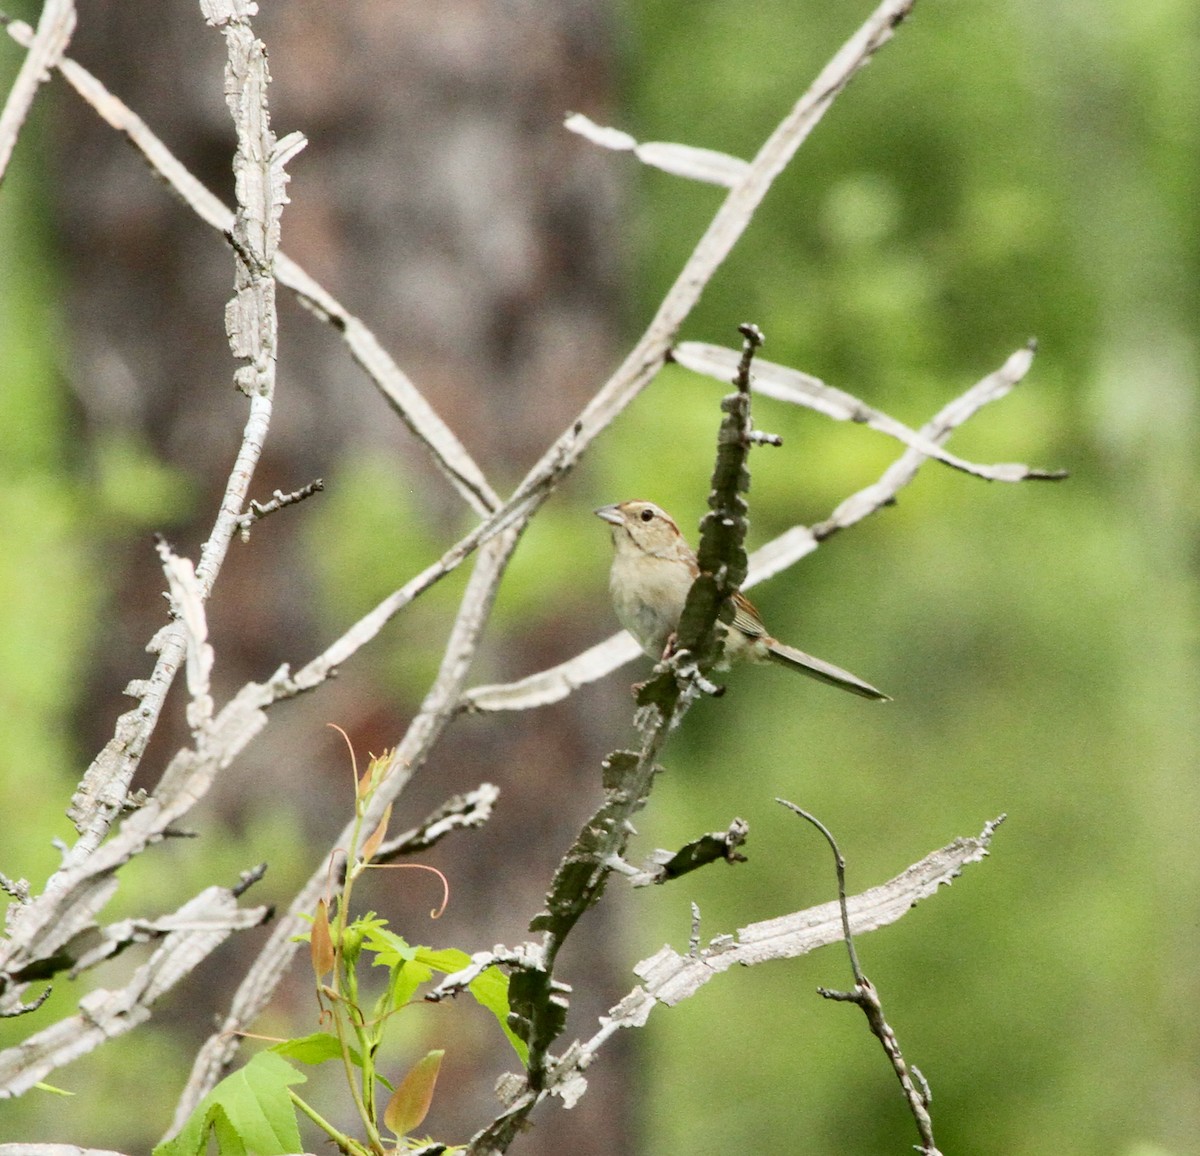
<point x="538" y="1001"/>
<point x="716" y="846"/>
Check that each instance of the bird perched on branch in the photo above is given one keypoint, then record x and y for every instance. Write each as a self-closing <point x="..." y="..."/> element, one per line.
<point x="654" y="568"/>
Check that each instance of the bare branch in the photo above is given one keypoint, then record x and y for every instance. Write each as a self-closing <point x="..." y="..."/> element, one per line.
<point x="557" y="682"/>
<point x="75" y="894"/>
<point x="250" y="317"/>
<point x="416" y="413"/>
<point x="279" y="500"/>
<point x="192" y="933"/>
<point x="992" y="388"/>
<point x="680" y="160"/>
<point x="840" y="869"/>
<point x="46" y="47"/>
<point x="252" y="328"/>
<point x="669" y="978"/>
<point x="40" y="930"/>
<point x="790" y="385"/>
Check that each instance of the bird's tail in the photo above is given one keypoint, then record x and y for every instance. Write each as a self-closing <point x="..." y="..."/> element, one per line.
<point x="824" y="671"/>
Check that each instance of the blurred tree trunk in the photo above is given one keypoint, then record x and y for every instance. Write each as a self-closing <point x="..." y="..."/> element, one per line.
<point x="441" y="201"/>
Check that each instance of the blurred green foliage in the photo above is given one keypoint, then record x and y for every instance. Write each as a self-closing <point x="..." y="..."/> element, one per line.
<point x="45" y="591"/>
<point x="996" y="173"/>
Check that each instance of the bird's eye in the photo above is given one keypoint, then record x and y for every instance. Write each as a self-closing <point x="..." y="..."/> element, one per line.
<point x="647" y="515"/>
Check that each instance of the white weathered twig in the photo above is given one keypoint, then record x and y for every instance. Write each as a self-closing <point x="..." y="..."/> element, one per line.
<point x="187" y="605"/>
<point x="251" y="322"/>
<point x="46" y="47"/>
<point x="78" y="890"/>
<point x="251" y="325"/>
<point x="696" y="164"/>
<point x="192" y="933"/>
<point x="447" y="451"/>
<point x="42" y="929"/>
<point x="671" y="977"/>
<point x="785" y="384"/>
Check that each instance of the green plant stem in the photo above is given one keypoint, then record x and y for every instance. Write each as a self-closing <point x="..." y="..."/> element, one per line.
<point x="364" y="1094"/>
<point x="343" y="1142"/>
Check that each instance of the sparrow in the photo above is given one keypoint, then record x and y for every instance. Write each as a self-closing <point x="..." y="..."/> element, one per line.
<point x="654" y="568"/>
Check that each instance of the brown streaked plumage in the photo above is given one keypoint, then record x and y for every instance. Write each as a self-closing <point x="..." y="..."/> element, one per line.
<point x="654" y="568"/>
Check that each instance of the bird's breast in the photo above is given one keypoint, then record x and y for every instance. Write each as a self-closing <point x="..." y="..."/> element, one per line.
<point x="648" y="594"/>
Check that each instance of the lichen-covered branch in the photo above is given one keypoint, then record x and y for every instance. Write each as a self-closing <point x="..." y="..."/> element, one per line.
<point x="188" y="937"/>
<point x="537" y="998"/>
<point x="41" y="930"/>
<point x="670" y="977"/>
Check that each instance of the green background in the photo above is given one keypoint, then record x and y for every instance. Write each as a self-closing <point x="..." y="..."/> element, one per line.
<point x="999" y="172"/>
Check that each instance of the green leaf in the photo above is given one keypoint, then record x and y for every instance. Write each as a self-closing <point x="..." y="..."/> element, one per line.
<point x="314" y="1049"/>
<point x="413" y="966"/>
<point x="447" y="960"/>
<point x="410" y="1103"/>
<point x="250" y="1111"/>
<point x="402" y="986"/>
<point x="319" y="1048"/>
<point x="389" y="948"/>
<point x="490" y="989"/>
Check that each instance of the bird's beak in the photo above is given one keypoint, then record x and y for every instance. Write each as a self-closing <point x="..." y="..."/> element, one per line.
<point x="610" y="514"/>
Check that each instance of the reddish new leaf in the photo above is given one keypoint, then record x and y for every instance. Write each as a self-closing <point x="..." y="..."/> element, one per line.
<point x="320" y="942"/>
<point x="372" y="844"/>
<point x="410" y="1103"/>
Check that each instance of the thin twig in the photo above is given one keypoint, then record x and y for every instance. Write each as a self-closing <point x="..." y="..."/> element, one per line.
<point x="46" y="47"/>
<point x="840" y="867"/>
<point x="259" y="510"/>
<point x="790" y="385"/>
<point x="866" y="996"/>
